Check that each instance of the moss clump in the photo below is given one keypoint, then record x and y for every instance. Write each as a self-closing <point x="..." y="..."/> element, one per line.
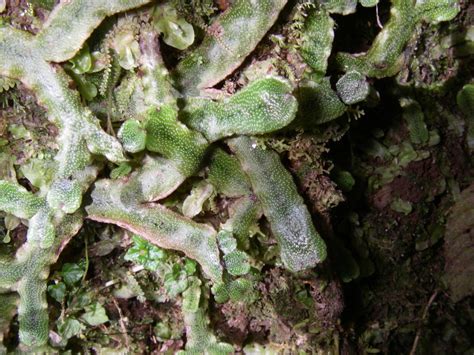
<point x="225" y="157"/>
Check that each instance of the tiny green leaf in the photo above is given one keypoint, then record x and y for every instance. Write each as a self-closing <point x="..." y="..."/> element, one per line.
<point x="70" y="328"/>
<point x="57" y="291"/>
<point x="177" y="32"/>
<point x="146" y="254"/>
<point x="95" y="315"/>
<point x="401" y="206"/>
<point x="120" y="171"/>
<point x="82" y="61"/>
<point x="72" y="273"/>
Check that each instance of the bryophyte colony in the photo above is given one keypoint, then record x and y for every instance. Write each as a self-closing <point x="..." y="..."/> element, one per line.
<point x="175" y="124"/>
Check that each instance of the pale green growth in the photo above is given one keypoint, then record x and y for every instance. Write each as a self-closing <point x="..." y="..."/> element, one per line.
<point x="110" y="75"/>
<point x="127" y="48"/>
<point x="259" y="349"/>
<point x="435" y="11"/>
<point x="401" y="206"/>
<point x="124" y="96"/>
<point x="80" y="132"/>
<point x="343" y="7"/>
<point x="155" y="85"/>
<point x="119" y="49"/>
<point x="22" y="57"/>
<point x="368" y="3"/>
<point x="87" y="90"/>
<point x="65" y="195"/>
<point x="32" y="311"/>
<point x="227" y="242"/>
<point x="49" y="231"/>
<point x="413" y="116"/>
<point x="120" y="171"/>
<point x="132" y="136"/>
<point x="156" y="179"/>
<point x="243" y="214"/>
<point x="200" y="339"/>
<point x="82" y="61"/>
<point x="111" y="203"/>
<point x="41" y="228"/>
<point x="15" y="199"/>
<point x="316" y="40"/>
<point x="10" y="273"/>
<point x="79" y="18"/>
<point x="318" y="103"/>
<point x="240" y="290"/>
<point x="237" y="263"/>
<point x="263" y="106"/>
<point x="33" y="315"/>
<point x="226" y="174"/>
<point x="192" y="295"/>
<point x="138" y="96"/>
<point x="221" y="51"/>
<point x="25" y="57"/>
<point x="301" y="247"/>
<point x="6" y="84"/>
<point x="27" y="275"/>
<point x="384" y="58"/>
<point x="200" y="193"/>
<point x="352" y="88"/>
<point x="167" y="136"/>
<point x="176" y="31"/>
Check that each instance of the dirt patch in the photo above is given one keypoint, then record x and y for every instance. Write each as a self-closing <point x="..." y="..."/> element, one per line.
<point x="287" y="308"/>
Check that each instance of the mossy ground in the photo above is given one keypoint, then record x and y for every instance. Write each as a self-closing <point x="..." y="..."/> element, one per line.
<point x="398" y="301"/>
